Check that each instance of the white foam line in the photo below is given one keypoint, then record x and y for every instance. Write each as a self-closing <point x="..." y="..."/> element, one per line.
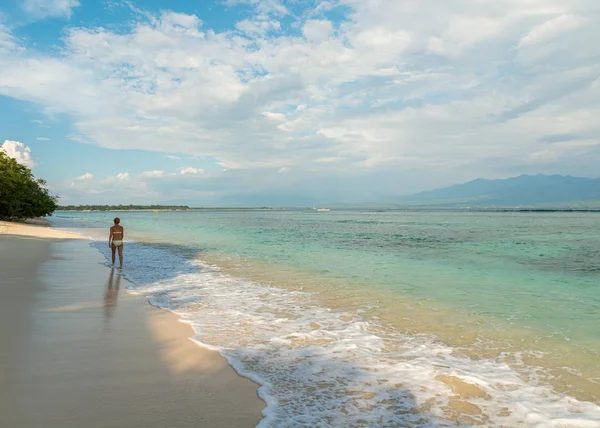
<point x="342" y="373"/>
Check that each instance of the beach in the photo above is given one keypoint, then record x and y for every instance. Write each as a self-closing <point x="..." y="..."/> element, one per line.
<point x="79" y="350"/>
<point x="382" y="319"/>
<point x="349" y="319"/>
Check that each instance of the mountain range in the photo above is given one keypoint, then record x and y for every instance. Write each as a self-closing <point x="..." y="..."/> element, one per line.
<point x="524" y="190"/>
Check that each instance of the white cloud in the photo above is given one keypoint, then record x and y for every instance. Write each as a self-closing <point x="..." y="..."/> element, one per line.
<point x="274" y="116"/>
<point x="191" y="170"/>
<point x="19" y="151"/>
<point x="317" y="30"/>
<point x="422" y="96"/>
<point x="148" y="186"/>
<point x="550" y="29"/>
<point x="42" y="139"/>
<point x="82" y="181"/>
<point x="258" y="27"/>
<point x="262" y="6"/>
<point x="156" y="173"/>
<point x="40" y="123"/>
<point x="120" y="188"/>
<point x="7" y="41"/>
<point x="86" y="176"/>
<point x="180" y="23"/>
<point x="561" y="149"/>
<point x="323" y="6"/>
<point x="40" y="9"/>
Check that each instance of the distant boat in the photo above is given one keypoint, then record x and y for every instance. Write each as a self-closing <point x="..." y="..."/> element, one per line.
<point x="321" y="209"/>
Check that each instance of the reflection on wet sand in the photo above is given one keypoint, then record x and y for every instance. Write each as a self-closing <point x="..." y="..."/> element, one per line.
<point x="111" y="294"/>
<point x="181" y="356"/>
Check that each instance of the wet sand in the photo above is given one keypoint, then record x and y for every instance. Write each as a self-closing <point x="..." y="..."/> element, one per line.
<point x="79" y="351"/>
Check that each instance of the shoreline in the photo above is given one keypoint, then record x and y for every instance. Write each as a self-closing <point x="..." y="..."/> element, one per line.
<point x="84" y="352"/>
<point x="251" y="298"/>
<point x="205" y="301"/>
<point x="35" y="228"/>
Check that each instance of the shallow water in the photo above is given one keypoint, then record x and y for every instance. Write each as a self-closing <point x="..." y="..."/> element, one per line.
<point x="387" y="318"/>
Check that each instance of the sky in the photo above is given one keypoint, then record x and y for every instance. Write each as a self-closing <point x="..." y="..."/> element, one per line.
<point x="296" y="102"/>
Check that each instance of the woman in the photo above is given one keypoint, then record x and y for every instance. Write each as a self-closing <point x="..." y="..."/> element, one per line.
<point x="115" y="240"/>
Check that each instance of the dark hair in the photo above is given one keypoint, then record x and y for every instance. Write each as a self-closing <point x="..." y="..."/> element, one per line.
<point x="117" y="220"/>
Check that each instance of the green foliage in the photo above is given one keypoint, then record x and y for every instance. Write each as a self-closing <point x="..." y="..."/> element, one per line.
<point x="21" y="195"/>
<point x="121" y="207"/>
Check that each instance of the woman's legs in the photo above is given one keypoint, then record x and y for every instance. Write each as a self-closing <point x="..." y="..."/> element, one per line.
<point x="113" y="249"/>
<point x="120" y="255"/>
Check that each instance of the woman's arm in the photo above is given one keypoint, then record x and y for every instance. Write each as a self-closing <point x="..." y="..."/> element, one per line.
<point x="110" y="237"/>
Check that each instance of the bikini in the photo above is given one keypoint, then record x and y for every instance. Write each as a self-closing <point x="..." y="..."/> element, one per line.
<point x="119" y="242"/>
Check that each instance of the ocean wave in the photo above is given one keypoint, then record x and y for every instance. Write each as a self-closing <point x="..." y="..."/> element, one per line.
<point x="319" y="366"/>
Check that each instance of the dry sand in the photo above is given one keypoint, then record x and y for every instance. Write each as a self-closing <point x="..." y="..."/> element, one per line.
<point x="38" y="228"/>
<point x="79" y="351"/>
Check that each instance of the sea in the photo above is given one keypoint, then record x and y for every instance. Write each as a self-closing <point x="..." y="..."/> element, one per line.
<point x="375" y="318"/>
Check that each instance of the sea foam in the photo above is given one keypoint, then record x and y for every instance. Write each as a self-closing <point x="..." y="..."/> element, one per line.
<point x="320" y="367"/>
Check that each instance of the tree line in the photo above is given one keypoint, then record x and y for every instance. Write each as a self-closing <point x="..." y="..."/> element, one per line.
<point x="120" y="207"/>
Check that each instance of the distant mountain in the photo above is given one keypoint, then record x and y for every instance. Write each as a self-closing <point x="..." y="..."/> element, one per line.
<point x="524" y="190"/>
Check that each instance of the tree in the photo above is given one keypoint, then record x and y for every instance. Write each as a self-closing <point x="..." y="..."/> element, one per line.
<point x="21" y="195"/>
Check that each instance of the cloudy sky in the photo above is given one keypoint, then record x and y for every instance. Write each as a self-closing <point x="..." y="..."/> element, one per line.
<point x="294" y="102"/>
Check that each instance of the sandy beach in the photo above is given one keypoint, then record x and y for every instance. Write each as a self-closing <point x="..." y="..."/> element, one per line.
<point x="35" y="228"/>
<point x="78" y="350"/>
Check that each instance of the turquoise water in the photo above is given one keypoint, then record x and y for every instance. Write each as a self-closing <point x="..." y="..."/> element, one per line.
<point x="528" y="283"/>
<point x="540" y="270"/>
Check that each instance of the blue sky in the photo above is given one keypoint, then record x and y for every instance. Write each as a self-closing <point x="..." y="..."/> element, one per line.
<point x="275" y="102"/>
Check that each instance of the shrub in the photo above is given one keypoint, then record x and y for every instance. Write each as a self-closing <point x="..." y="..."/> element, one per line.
<point x="21" y="195"/>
